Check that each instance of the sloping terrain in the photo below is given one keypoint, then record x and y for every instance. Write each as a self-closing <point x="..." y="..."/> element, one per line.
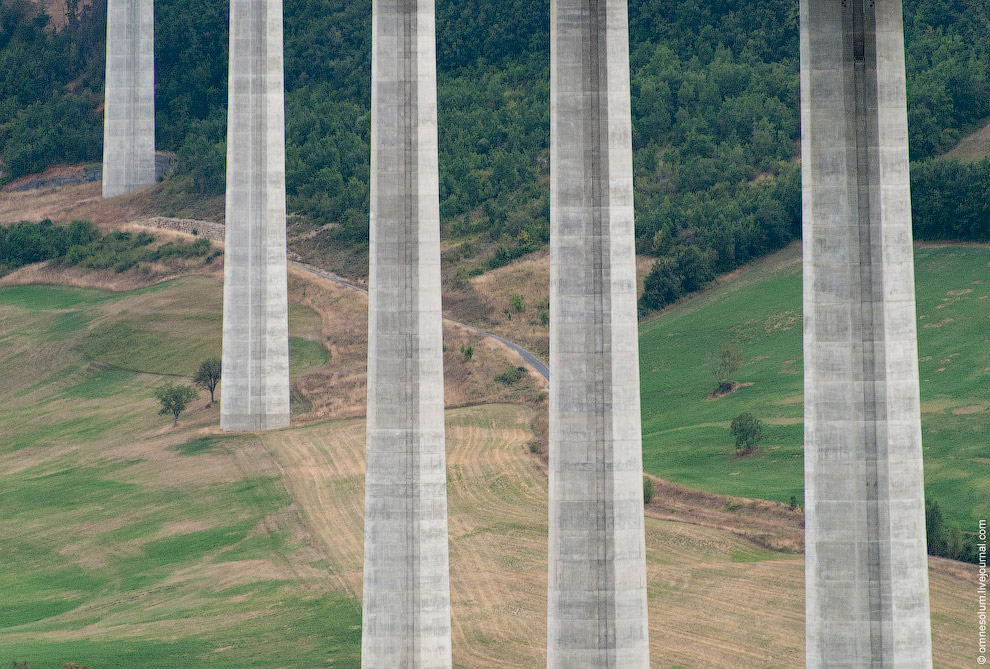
<point x="972" y="147"/>
<point x="686" y="435"/>
<point x="129" y="543"/>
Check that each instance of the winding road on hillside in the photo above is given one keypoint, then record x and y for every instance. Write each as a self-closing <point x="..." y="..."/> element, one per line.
<point x="528" y="356"/>
<point x="215" y="232"/>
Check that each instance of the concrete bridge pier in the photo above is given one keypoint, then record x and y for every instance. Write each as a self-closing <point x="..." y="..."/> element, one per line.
<point x="597" y="609"/>
<point x="867" y="569"/>
<point x="255" y="372"/>
<point x="129" y="97"/>
<point x="406" y="614"/>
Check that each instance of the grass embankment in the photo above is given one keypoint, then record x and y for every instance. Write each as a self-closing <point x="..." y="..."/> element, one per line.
<point x="686" y="436"/>
<point x="130" y="544"/>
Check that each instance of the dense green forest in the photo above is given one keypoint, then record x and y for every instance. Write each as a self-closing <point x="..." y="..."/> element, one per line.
<point x="715" y="115"/>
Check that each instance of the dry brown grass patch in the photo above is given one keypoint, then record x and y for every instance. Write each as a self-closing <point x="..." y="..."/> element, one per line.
<point x="485" y="301"/>
<point x="339" y="389"/>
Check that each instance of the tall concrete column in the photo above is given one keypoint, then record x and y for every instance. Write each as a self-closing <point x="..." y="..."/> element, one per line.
<point x="255" y="373"/>
<point x="406" y="617"/>
<point x="129" y="97"/>
<point x="867" y="570"/>
<point x="597" y="611"/>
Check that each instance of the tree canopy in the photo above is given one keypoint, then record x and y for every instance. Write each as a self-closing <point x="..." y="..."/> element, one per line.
<point x="174" y="400"/>
<point x="715" y="103"/>
<point x="208" y="376"/>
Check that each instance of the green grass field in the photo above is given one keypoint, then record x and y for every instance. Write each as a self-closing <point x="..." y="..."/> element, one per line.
<point x="686" y="436"/>
<point x="128" y="544"/>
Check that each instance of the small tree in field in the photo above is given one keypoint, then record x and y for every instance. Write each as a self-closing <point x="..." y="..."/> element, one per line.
<point x="748" y="431"/>
<point x="174" y="399"/>
<point x="723" y="365"/>
<point x="208" y="376"/>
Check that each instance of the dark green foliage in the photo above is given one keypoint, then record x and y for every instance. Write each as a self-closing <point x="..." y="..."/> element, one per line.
<point x="949" y="200"/>
<point x="648" y="490"/>
<point x="124" y="250"/>
<point x="947" y="56"/>
<point x="793" y="503"/>
<point x="51" y="86"/>
<point x="947" y="540"/>
<point x="467" y="352"/>
<point x="511" y="375"/>
<point x="26" y="243"/>
<point x="715" y="105"/>
<point x="14" y="664"/>
<point x="208" y="376"/>
<point x="748" y="431"/>
<point x="81" y="244"/>
<point x="174" y="399"/>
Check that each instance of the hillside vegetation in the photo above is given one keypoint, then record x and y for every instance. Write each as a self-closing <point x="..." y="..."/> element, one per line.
<point x="132" y="544"/>
<point x="686" y="434"/>
<point x="715" y="116"/>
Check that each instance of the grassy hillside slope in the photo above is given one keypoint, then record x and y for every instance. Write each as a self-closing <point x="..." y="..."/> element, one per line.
<point x="130" y="544"/>
<point x="686" y="436"/>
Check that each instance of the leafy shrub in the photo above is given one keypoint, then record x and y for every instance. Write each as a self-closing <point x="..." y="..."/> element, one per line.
<point x="174" y="400"/>
<point x="947" y="540"/>
<point x="511" y="375"/>
<point x="25" y="243"/>
<point x="748" y="431"/>
<point x="80" y="244"/>
<point x="648" y="490"/>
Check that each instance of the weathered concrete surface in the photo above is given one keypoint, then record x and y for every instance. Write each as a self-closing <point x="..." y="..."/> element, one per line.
<point x="406" y="617"/>
<point x="129" y="97"/>
<point x="866" y="569"/>
<point x="597" y="614"/>
<point x="255" y="373"/>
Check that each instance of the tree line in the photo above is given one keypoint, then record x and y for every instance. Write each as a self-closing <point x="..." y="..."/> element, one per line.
<point x="715" y="103"/>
